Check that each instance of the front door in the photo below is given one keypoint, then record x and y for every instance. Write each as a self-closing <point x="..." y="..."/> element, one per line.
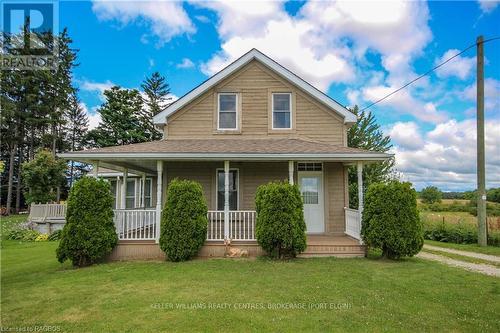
<point x="311" y="188"/>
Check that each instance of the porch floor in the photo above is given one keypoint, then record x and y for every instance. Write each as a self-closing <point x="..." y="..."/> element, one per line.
<point x="317" y="246"/>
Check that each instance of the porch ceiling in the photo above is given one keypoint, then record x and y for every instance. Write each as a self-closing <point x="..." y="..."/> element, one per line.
<point x="268" y="149"/>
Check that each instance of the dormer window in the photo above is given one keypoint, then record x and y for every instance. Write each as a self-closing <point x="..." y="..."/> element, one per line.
<point x="227" y="111"/>
<point x="282" y="110"/>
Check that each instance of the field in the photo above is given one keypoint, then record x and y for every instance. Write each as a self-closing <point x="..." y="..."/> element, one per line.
<point x="321" y="294"/>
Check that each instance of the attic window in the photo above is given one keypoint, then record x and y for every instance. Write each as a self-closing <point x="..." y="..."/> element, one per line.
<point x="282" y="111"/>
<point x="227" y="111"/>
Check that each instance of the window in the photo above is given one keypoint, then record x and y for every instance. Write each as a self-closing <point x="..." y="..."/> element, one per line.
<point x="282" y="110"/>
<point x="147" y="194"/>
<point x="113" y="191"/>
<point x="310" y="190"/>
<point x="310" y="166"/>
<point x="227" y="111"/>
<point x="130" y="194"/>
<point x="233" y="189"/>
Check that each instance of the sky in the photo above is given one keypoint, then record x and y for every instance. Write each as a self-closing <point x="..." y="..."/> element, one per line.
<point x="354" y="51"/>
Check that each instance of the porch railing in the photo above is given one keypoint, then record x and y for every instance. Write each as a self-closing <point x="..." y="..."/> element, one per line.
<point x="241" y="225"/>
<point x="47" y="212"/>
<point x="353" y="223"/>
<point x="135" y="224"/>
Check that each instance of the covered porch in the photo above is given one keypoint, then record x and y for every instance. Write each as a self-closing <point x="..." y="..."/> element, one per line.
<point x="230" y="181"/>
<point x="237" y="222"/>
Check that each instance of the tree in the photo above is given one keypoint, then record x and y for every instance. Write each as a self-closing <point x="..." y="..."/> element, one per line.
<point x="89" y="233"/>
<point x="280" y="228"/>
<point x="391" y="221"/>
<point x="366" y="134"/>
<point x="75" y="130"/>
<point x="33" y="104"/>
<point x="122" y="121"/>
<point x="431" y="194"/>
<point x="184" y="221"/>
<point x="493" y="194"/>
<point x="42" y="176"/>
<point x="156" y="90"/>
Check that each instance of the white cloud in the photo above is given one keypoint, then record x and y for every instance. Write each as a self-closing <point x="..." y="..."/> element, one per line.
<point x="99" y="87"/>
<point x="93" y="117"/>
<point x="403" y="102"/>
<point x="447" y="157"/>
<point x="166" y="19"/>
<point x="491" y="95"/>
<point x="460" y="67"/>
<point x="406" y="135"/>
<point x="151" y="63"/>
<point x="487" y="6"/>
<point x="186" y="63"/>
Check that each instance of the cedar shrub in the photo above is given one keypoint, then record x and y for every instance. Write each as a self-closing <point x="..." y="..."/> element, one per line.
<point x="184" y="220"/>
<point x="280" y="227"/>
<point x="89" y="233"/>
<point x="391" y="221"/>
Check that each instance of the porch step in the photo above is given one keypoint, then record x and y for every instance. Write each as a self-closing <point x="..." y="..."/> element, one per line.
<point x="333" y="251"/>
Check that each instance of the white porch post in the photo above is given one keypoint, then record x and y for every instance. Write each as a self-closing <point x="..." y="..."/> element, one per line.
<point x="95" y="169"/>
<point x="159" y="188"/>
<point x="290" y="172"/>
<point x="143" y="192"/>
<point x="226" y="199"/>
<point x="360" y="187"/>
<point x="124" y="188"/>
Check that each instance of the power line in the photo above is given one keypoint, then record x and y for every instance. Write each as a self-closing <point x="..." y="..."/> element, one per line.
<point x="427" y="73"/>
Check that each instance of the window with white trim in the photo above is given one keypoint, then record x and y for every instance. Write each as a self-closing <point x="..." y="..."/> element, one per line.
<point x="130" y="194"/>
<point x="282" y="110"/>
<point x="227" y="111"/>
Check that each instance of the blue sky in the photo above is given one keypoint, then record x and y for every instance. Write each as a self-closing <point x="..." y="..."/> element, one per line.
<point x="355" y="51"/>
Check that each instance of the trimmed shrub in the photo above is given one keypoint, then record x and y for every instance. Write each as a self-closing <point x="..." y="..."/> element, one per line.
<point x="89" y="233"/>
<point x="391" y="221"/>
<point x="184" y="221"/>
<point x="280" y="227"/>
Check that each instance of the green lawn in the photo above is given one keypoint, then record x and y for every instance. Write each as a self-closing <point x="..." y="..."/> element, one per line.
<point x="375" y="295"/>
<point x="494" y="250"/>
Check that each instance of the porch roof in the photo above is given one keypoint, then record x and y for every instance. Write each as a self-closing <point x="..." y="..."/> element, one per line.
<point x="271" y="149"/>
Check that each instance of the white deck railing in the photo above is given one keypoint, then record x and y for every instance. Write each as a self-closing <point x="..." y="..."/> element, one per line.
<point x="353" y="223"/>
<point x="135" y="224"/>
<point x="241" y="225"/>
<point x="47" y="212"/>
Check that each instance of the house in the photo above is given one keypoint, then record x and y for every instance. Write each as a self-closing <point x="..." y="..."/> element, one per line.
<point x="251" y="123"/>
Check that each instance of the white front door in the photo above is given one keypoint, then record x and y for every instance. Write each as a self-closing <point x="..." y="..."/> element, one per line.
<point x="311" y="188"/>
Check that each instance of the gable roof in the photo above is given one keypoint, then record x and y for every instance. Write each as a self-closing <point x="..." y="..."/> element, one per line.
<point x="161" y="118"/>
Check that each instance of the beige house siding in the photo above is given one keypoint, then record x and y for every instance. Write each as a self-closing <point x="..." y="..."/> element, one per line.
<point x="335" y="194"/>
<point x="254" y="84"/>
<point x="253" y="174"/>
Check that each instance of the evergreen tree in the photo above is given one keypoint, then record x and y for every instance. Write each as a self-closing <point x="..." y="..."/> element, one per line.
<point x="366" y="134"/>
<point x="75" y="131"/>
<point x="122" y="120"/>
<point x="156" y="100"/>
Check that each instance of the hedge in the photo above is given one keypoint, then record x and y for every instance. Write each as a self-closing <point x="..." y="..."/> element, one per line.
<point x="280" y="226"/>
<point x="391" y="221"/>
<point x="89" y="233"/>
<point x="184" y="221"/>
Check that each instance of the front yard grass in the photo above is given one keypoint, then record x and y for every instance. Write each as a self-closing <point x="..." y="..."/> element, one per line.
<point x="374" y="295"/>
